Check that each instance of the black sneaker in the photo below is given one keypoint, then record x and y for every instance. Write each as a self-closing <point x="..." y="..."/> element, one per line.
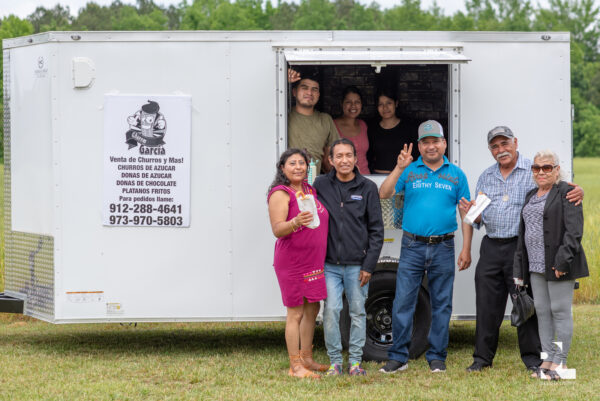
<point x="437" y="366"/>
<point x="393" y="366"/>
<point x="477" y="367"/>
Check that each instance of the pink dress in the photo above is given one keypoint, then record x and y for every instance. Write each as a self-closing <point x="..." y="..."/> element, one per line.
<point x="361" y="143"/>
<point x="300" y="256"/>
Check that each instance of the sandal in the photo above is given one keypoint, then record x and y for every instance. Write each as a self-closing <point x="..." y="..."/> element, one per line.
<point x="551" y="375"/>
<point x="537" y="373"/>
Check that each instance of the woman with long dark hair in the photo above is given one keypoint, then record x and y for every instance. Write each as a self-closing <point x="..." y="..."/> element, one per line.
<point x="299" y="258"/>
<point x="351" y="127"/>
<point x="388" y="137"/>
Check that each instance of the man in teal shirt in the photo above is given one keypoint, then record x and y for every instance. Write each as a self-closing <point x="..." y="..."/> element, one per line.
<point x="432" y="189"/>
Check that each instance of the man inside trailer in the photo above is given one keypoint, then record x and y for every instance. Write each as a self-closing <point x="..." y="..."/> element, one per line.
<point x="308" y="128"/>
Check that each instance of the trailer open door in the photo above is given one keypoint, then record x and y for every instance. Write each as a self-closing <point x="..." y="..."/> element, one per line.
<point x="378" y="58"/>
<point x="368" y="67"/>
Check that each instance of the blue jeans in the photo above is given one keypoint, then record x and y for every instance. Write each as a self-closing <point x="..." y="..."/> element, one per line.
<point x="340" y="279"/>
<point x="416" y="258"/>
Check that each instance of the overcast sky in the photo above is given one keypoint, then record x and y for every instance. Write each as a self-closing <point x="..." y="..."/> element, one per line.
<point x="22" y="8"/>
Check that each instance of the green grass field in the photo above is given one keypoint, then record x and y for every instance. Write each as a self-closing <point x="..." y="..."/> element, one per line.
<point x="586" y="175"/>
<point x="248" y="361"/>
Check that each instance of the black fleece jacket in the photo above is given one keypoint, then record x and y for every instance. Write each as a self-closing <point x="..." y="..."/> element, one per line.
<point x="563" y="230"/>
<point x="355" y="224"/>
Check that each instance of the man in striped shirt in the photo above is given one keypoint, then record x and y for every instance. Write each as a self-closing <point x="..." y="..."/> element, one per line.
<point x="506" y="183"/>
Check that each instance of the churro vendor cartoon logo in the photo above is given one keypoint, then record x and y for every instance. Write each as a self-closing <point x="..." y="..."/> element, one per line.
<point x="147" y="127"/>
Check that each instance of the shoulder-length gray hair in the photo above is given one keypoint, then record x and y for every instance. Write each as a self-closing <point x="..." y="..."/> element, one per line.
<point x="549" y="154"/>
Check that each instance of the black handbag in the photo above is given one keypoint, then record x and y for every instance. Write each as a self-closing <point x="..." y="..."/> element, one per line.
<point x="523" y="307"/>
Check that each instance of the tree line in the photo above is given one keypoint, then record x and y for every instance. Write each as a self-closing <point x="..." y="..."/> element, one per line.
<point x="580" y="17"/>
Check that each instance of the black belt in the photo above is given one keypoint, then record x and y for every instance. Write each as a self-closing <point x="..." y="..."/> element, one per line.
<point x="432" y="239"/>
<point x="503" y="240"/>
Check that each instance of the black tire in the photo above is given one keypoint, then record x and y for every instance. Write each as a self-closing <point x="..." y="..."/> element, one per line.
<point x="379" y="319"/>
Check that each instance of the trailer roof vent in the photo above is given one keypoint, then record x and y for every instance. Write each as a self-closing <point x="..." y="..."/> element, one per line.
<point x="84" y="72"/>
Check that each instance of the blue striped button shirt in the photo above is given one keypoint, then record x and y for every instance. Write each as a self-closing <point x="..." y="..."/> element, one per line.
<point x="501" y="218"/>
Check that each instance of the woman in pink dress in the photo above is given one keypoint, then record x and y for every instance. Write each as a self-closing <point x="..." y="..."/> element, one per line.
<point x="353" y="128"/>
<point x="299" y="259"/>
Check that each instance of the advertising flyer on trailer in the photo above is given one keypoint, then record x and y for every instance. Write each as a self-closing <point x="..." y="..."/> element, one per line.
<point x="147" y="160"/>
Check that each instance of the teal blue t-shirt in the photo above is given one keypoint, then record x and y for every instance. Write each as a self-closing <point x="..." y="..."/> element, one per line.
<point x="431" y="197"/>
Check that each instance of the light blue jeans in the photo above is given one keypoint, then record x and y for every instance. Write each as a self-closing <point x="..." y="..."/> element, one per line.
<point x="340" y="279"/>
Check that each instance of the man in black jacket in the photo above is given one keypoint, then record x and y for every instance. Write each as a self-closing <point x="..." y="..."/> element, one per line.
<point x="353" y="245"/>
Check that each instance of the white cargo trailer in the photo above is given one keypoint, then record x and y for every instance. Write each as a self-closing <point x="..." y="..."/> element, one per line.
<point x="99" y="229"/>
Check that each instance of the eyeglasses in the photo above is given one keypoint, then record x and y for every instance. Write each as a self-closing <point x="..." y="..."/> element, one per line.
<point x="546" y="168"/>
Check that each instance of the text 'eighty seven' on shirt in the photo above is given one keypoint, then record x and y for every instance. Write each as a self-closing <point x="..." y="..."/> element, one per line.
<point x="431" y="197"/>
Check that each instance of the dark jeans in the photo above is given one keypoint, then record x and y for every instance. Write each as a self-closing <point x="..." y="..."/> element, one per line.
<point x="416" y="258"/>
<point x="493" y="283"/>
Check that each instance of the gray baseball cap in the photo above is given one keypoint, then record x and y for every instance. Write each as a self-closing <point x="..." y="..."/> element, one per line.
<point x="500" y="130"/>
<point x="430" y="128"/>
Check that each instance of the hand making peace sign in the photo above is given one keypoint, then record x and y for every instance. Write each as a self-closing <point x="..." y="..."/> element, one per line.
<point x="405" y="156"/>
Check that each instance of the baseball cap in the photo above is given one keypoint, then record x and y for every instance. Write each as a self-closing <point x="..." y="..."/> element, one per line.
<point x="430" y="128"/>
<point x="500" y="130"/>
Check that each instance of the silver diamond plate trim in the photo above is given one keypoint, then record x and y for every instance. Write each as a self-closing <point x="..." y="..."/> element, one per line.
<point x="30" y="272"/>
<point x="391" y="210"/>
<point x="28" y="258"/>
<point x="6" y="135"/>
<point x="6" y="106"/>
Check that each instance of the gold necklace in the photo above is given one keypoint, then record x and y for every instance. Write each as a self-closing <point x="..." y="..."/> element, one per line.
<point x="300" y="188"/>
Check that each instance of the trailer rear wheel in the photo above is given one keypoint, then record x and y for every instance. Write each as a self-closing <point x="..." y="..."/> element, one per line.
<point x="379" y="319"/>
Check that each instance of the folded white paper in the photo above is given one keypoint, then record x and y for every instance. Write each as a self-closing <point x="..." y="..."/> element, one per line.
<point x="481" y="202"/>
<point x="306" y="203"/>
